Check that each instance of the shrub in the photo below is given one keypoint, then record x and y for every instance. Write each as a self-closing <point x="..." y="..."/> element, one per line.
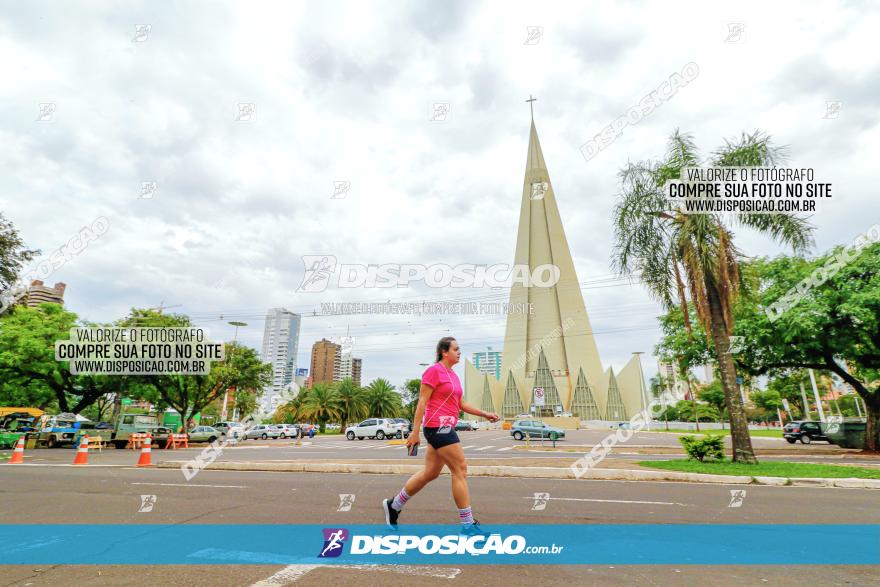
<point x="711" y="446"/>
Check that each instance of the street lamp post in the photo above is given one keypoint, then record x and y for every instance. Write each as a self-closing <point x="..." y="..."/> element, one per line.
<point x="234" y="339"/>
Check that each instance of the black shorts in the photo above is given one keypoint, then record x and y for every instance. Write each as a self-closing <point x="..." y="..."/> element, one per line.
<point x="439" y="440"/>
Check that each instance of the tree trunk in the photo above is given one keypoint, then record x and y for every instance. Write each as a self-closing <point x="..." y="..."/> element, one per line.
<point x="740" y="439"/>
<point x="872" y="403"/>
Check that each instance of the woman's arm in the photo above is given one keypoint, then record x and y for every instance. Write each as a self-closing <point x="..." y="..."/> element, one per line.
<point x="469" y="409"/>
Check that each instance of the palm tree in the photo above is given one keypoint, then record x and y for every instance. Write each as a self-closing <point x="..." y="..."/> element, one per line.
<point x="352" y="402"/>
<point x="291" y="411"/>
<point x="383" y="401"/>
<point x="680" y="256"/>
<point x="321" y="404"/>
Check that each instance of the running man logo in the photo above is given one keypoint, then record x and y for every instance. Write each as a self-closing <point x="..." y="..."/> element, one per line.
<point x="447" y="423"/>
<point x="334" y="541"/>
<point x="541" y="501"/>
<point x="319" y="268"/>
<point x="147" y="503"/>
<point x="737" y="496"/>
<point x="346" y="500"/>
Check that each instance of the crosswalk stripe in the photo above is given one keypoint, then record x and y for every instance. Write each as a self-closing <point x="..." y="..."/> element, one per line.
<point x="505" y="448"/>
<point x="469" y="446"/>
<point x="486" y="447"/>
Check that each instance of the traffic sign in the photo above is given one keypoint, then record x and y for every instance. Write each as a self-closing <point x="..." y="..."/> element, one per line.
<point x="538" y="393"/>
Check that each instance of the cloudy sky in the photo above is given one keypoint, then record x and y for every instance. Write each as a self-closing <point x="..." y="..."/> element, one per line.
<point x="345" y="92"/>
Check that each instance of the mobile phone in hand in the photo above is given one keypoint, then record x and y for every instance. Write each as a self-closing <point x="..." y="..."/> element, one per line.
<point x="413" y="450"/>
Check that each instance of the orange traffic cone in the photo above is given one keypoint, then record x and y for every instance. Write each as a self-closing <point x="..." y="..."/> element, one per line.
<point x="18" y="453"/>
<point x="82" y="453"/>
<point x="146" y="459"/>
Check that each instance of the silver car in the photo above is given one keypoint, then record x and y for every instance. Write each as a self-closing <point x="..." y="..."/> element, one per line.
<point x="263" y="431"/>
<point x="204" y="434"/>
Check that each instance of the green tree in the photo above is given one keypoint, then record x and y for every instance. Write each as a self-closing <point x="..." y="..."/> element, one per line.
<point x="382" y="399"/>
<point x="241" y="371"/>
<point x="713" y="394"/>
<point x="321" y="405"/>
<point x="768" y="400"/>
<point x="13" y="256"/>
<point x="410" y="397"/>
<point x="352" y="402"/>
<point x="29" y="371"/>
<point x="832" y="326"/>
<point x="682" y="257"/>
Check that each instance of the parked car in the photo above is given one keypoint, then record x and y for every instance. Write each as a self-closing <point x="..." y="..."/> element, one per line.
<point x="533" y="428"/>
<point x="376" y="428"/>
<point x="406" y="423"/>
<point x="263" y="431"/>
<point x="805" y="431"/>
<point x="288" y="430"/>
<point x="465" y="425"/>
<point x="204" y="434"/>
<point x="228" y="428"/>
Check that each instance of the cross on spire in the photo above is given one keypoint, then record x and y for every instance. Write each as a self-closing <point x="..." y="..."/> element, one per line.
<point x="531" y="106"/>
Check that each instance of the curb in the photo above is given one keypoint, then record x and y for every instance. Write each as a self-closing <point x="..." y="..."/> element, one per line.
<point x="538" y="473"/>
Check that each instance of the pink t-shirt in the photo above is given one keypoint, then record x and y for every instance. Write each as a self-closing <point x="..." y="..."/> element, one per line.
<point x="445" y="403"/>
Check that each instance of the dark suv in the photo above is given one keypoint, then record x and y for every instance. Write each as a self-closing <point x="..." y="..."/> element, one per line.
<point x="806" y="432"/>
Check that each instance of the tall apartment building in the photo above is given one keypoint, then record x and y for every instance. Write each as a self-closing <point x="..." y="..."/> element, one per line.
<point x="333" y="362"/>
<point x="326" y="356"/>
<point x="280" y="345"/>
<point x="38" y="293"/>
<point x="488" y="361"/>
<point x="672" y="379"/>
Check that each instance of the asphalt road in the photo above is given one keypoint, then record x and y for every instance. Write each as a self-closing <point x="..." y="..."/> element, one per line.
<point x="61" y="494"/>
<point x="494" y="444"/>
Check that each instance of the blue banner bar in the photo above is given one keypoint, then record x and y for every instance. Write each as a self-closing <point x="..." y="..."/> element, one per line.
<point x="622" y="544"/>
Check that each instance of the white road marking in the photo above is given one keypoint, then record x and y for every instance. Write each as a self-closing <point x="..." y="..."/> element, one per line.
<point x="292" y="573"/>
<point x="612" y="501"/>
<point x="468" y="446"/>
<point x="486" y="447"/>
<point x="193" y="485"/>
<point x="505" y="448"/>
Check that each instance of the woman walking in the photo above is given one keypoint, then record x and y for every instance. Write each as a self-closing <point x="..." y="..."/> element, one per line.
<point x="440" y="401"/>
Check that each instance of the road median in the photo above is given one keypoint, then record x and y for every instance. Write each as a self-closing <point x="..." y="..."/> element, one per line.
<point x="532" y="473"/>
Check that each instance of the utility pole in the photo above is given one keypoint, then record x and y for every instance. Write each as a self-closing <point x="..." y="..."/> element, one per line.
<point x="234" y="339"/>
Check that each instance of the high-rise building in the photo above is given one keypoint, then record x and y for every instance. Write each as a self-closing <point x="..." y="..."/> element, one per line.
<point x="38" y="293"/>
<point x="326" y="356"/>
<point x="356" y="368"/>
<point x="550" y="365"/>
<point x="280" y="346"/>
<point x="488" y="361"/>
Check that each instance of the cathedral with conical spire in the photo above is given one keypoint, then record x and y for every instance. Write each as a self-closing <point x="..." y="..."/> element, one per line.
<point x="553" y="347"/>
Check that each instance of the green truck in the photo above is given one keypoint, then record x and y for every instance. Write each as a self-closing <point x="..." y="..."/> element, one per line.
<point x="13" y="426"/>
<point x="128" y="424"/>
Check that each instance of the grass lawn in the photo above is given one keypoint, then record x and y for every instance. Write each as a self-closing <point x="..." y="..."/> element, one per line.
<point x="765" y="469"/>
<point x="726" y="432"/>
